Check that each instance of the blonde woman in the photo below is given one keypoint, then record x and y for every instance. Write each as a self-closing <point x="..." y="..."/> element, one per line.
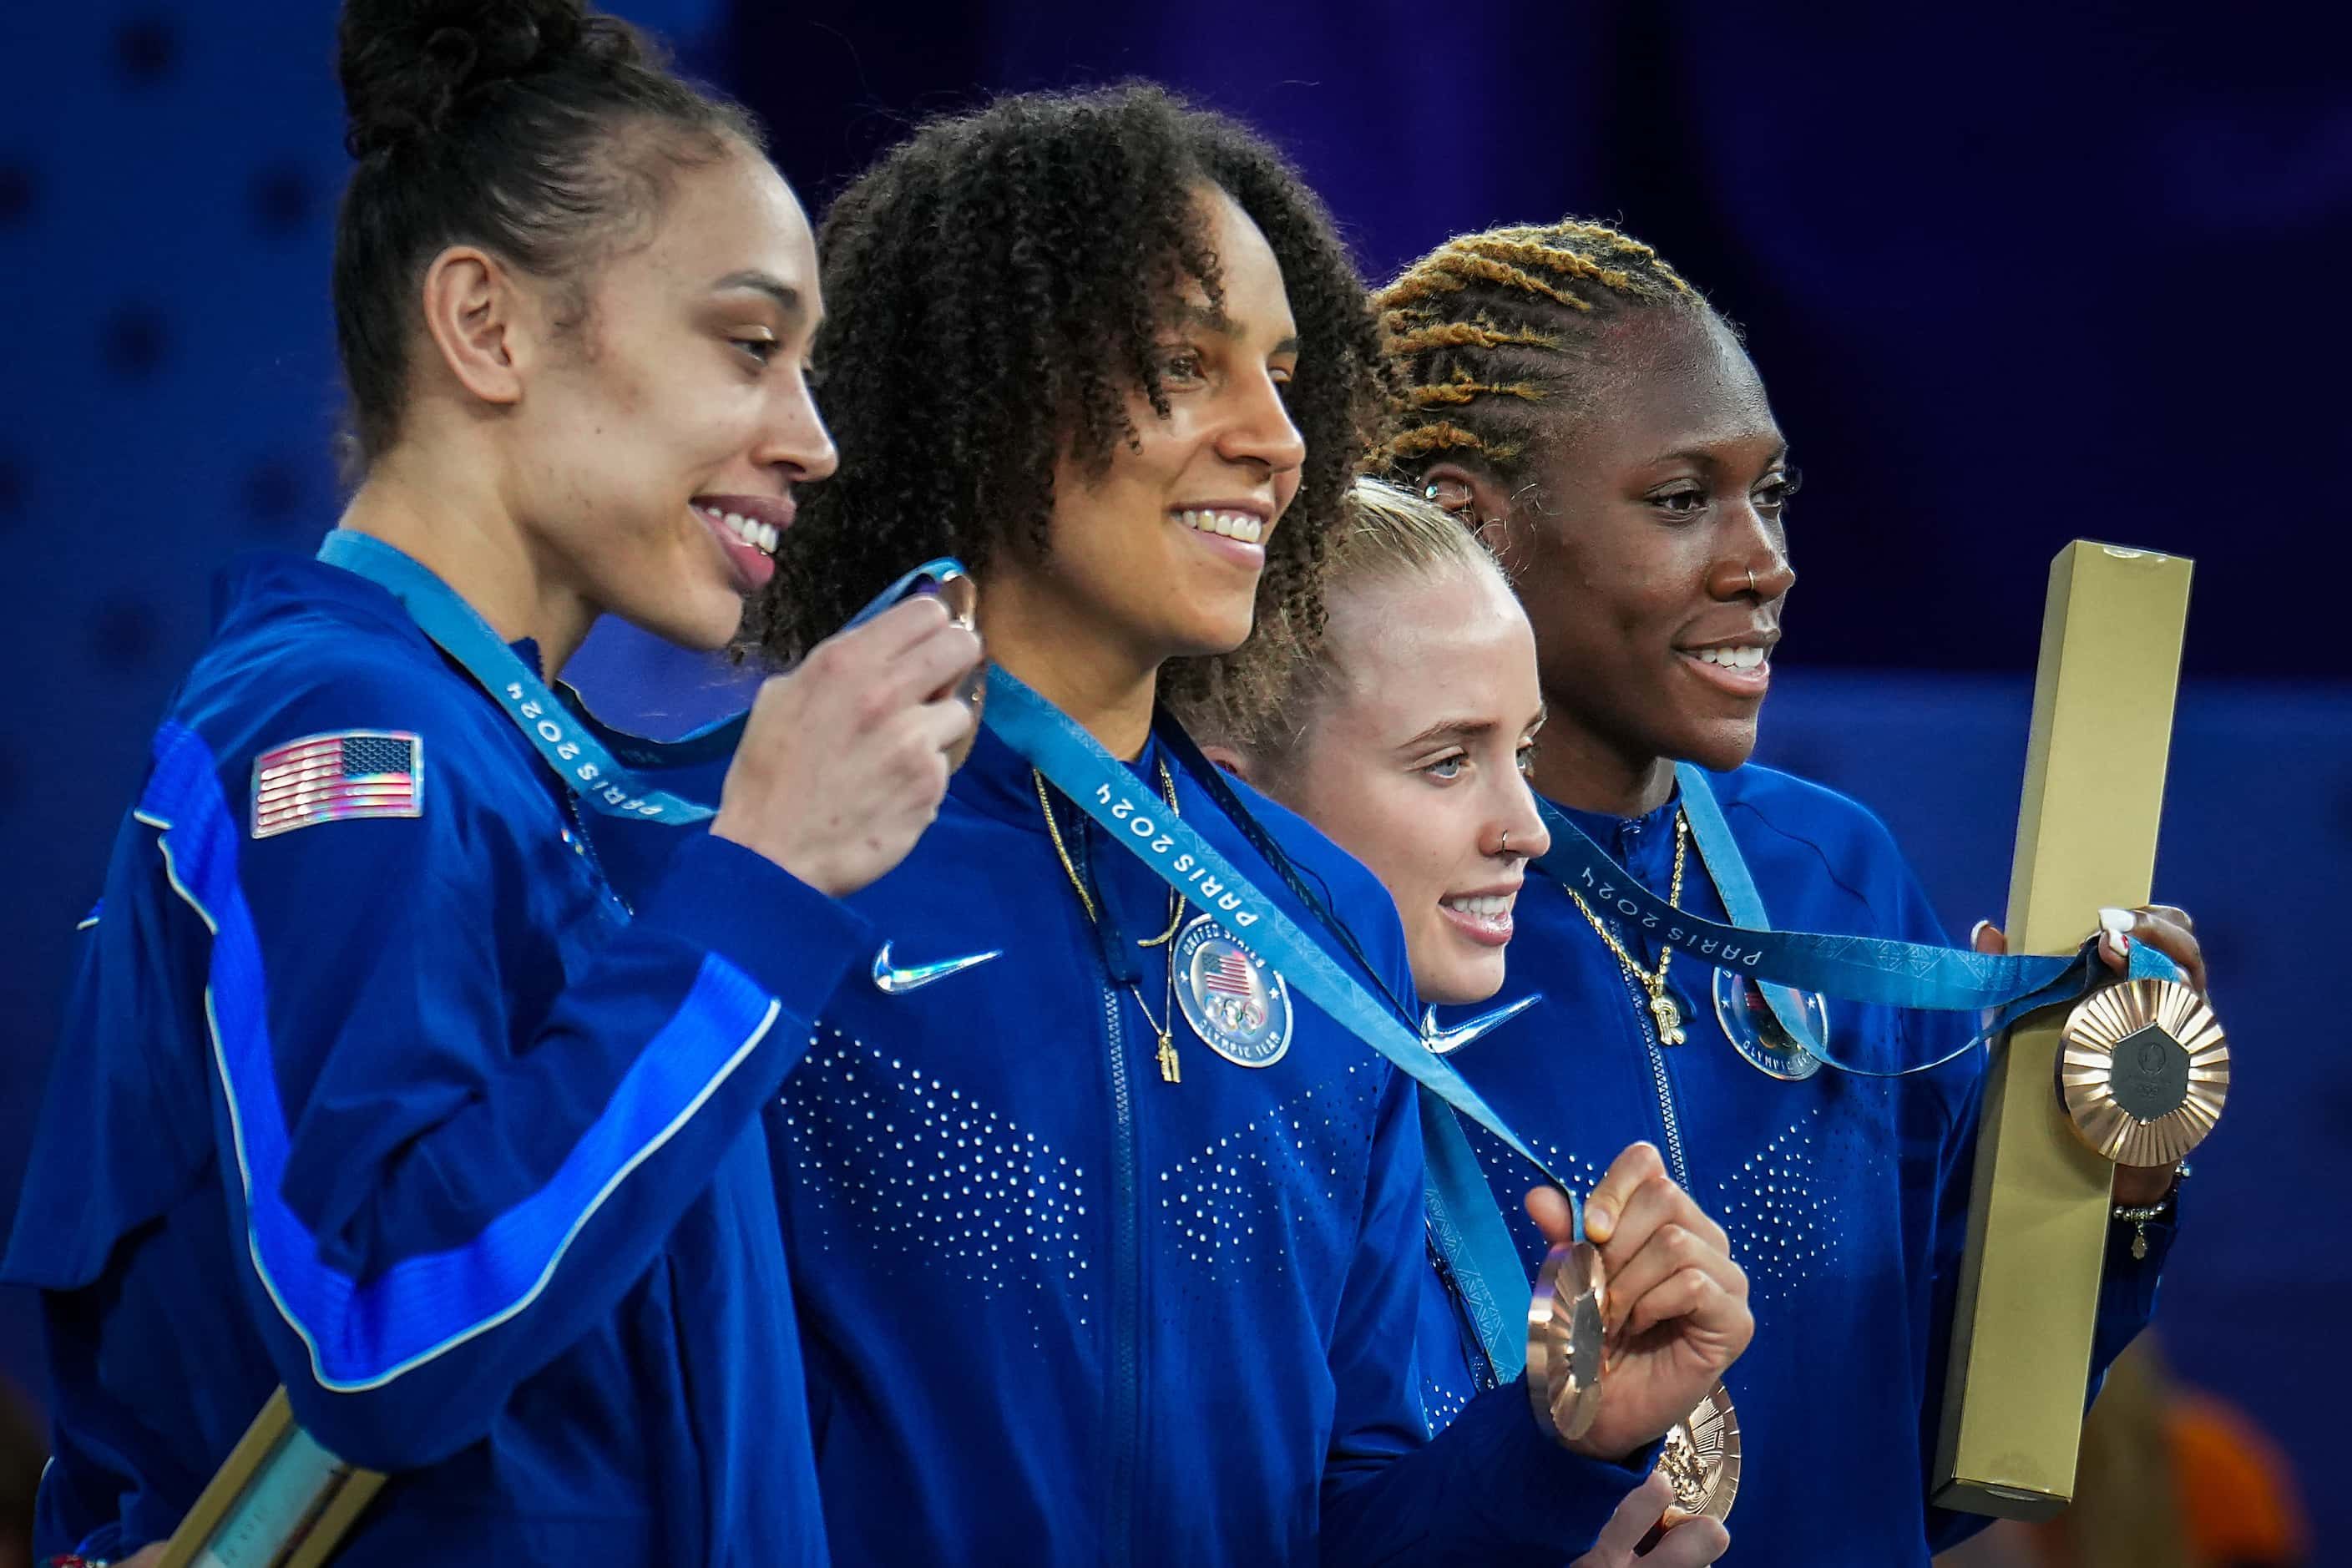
<point x="1404" y="728"/>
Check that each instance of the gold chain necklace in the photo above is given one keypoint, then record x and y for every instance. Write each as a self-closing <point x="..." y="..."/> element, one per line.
<point x="1662" y="1003"/>
<point x="1165" y="1024"/>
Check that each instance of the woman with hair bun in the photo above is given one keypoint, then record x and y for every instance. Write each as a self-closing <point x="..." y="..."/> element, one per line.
<point x="374" y="1086"/>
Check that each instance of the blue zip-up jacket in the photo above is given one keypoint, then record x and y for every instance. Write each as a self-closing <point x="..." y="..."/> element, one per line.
<point x="1846" y="1199"/>
<point x="1058" y="1311"/>
<point x="409" y="1114"/>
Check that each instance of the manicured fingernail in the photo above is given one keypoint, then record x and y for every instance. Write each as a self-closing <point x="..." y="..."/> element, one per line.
<point x="1977" y="930"/>
<point x="2118" y="921"/>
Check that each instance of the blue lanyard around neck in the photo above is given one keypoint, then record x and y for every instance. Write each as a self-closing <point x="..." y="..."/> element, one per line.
<point x="1728" y="870"/>
<point x="580" y="759"/>
<point x="1464" y="1219"/>
<point x="1855" y="968"/>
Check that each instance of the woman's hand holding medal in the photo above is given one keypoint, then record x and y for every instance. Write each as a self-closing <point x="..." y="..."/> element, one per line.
<point x="1675" y="1313"/>
<point x="844" y="762"/>
<point x="2170" y="931"/>
<point x="1633" y="1537"/>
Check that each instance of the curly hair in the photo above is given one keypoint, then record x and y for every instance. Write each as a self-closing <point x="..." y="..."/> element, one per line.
<point x="995" y="289"/>
<point x="1492" y="332"/>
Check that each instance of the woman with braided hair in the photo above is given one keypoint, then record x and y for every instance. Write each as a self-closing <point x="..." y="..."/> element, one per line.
<point x="1572" y="398"/>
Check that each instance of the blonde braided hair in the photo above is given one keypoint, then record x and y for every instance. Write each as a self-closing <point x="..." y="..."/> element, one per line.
<point x="1492" y="331"/>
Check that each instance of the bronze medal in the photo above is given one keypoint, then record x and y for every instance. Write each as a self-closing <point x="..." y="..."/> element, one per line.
<point x="1564" y="1349"/>
<point x="2144" y="1071"/>
<point x="945" y="580"/>
<point x="1701" y="1455"/>
<point x="961" y="596"/>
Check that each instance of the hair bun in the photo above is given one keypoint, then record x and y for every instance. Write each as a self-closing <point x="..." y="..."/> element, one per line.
<point x="409" y="67"/>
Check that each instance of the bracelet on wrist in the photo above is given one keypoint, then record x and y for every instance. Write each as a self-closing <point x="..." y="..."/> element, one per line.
<point x="2141" y="1216"/>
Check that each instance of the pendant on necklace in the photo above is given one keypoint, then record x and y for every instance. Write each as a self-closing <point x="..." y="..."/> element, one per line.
<point x="1169" y="1072"/>
<point x="1669" y="1015"/>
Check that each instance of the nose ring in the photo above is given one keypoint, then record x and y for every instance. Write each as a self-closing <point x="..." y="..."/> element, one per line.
<point x="1506" y="841"/>
<point x="1751" y="579"/>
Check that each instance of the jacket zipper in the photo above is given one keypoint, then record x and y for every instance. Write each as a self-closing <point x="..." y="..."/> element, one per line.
<point x="586" y="849"/>
<point x="1669" y="1123"/>
<point x="1126" y="1283"/>
<point x="1126" y="1288"/>
<point x="1474" y="1350"/>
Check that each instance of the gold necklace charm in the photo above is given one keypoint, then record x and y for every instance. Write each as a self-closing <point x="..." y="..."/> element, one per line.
<point x="1163" y="1026"/>
<point x="1663" y="1009"/>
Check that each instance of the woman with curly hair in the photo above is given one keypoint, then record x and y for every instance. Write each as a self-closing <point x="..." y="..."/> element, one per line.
<point x="1107" y="1247"/>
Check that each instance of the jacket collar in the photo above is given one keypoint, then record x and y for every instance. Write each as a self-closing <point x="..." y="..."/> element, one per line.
<point x="995" y="780"/>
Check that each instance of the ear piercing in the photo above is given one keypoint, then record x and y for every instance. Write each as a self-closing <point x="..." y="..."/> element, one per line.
<point x="1429" y="492"/>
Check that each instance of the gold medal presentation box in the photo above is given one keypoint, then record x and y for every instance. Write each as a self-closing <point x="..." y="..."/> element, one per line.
<point x="2039" y="1208"/>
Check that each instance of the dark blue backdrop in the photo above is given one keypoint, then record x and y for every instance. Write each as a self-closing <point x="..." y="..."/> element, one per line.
<point x="2013" y="273"/>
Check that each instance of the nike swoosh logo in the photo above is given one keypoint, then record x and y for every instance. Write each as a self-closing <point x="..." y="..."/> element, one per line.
<point x="1443" y="1042"/>
<point x="892" y="981"/>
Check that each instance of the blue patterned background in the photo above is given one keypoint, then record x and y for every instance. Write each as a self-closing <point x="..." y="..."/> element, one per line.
<point x="2014" y="274"/>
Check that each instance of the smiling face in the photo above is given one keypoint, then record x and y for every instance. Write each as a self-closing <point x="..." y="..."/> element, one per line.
<point x="1653" y="560"/>
<point x="1156" y="554"/>
<point x="658" y="452"/>
<point x="1412" y="761"/>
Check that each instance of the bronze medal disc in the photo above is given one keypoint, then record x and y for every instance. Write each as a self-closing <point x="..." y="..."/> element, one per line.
<point x="1564" y="1341"/>
<point x="2144" y="1071"/>
<point x="1702" y="1456"/>
<point x="961" y="596"/>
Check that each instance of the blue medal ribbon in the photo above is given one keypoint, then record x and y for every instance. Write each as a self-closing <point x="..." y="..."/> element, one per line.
<point x="1465" y="1222"/>
<point x="1468" y="1231"/>
<point x="719" y="738"/>
<point x="566" y="742"/>
<point x="1857" y="968"/>
<point x="580" y="749"/>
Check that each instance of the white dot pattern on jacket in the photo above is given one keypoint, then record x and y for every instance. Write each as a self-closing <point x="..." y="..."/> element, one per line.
<point x="964" y="1187"/>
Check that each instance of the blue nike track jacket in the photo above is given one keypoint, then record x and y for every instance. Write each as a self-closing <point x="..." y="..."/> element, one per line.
<point x="1846" y="1197"/>
<point x="380" y="1091"/>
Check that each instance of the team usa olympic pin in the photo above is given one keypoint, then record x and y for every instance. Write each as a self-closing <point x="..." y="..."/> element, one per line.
<point x="1749" y="1023"/>
<point x="1239" y="1006"/>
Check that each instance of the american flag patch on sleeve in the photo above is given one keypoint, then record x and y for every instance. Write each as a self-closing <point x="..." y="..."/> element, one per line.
<point x="334" y="778"/>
